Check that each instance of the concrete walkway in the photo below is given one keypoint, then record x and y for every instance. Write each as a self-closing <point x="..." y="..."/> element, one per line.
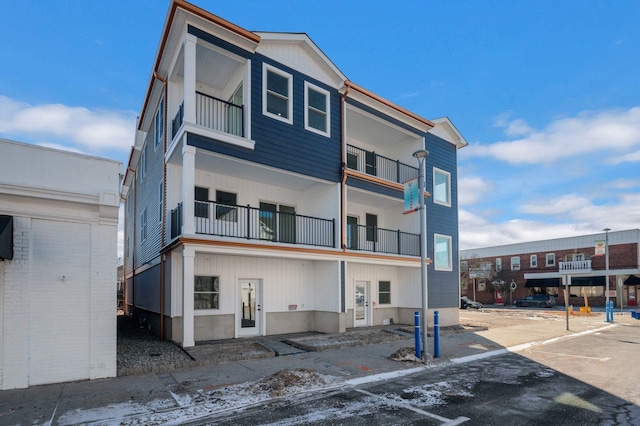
<point x="125" y="399"/>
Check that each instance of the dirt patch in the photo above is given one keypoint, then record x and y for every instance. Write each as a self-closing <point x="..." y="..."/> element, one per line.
<point x="286" y="382"/>
<point x="407" y="354"/>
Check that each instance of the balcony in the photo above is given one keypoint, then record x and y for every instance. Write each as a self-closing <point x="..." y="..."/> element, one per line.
<point x="214" y="114"/>
<point x="379" y="240"/>
<point x="254" y="224"/>
<point x="374" y="164"/>
<point x="574" y="267"/>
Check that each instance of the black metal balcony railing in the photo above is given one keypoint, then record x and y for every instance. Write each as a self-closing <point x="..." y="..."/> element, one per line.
<point x="177" y="121"/>
<point x="253" y="223"/>
<point x="176" y="221"/>
<point x="368" y="238"/>
<point x="377" y="165"/>
<point x="215" y="114"/>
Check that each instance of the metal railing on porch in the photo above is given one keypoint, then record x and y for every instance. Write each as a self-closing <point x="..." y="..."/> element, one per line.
<point x="252" y="223"/>
<point x="374" y="239"/>
<point x="378" y="165"/>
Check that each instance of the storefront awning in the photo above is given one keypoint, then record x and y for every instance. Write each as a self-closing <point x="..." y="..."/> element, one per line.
<point x="632" y="280"/>
<point x="543" y="282"/>
<point x="587" y="281"/>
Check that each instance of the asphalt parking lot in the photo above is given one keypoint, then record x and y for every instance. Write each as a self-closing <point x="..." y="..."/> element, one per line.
<point x="588" y="378"/>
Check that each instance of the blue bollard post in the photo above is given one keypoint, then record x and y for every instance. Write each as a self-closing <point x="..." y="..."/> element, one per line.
<point x="416" y="323"/>
<point x="436" y="335"/>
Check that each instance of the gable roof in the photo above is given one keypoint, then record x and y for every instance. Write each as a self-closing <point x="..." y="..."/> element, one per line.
<point x="445" y="129"/>
<point x="298" y="51"/>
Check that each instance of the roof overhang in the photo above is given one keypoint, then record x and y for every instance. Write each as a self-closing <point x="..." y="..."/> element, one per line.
<point x="445" y="129"/>
<point x="374" y="101"/>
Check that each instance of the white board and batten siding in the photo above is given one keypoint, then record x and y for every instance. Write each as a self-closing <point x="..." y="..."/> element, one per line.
<point x="310" y="285"/>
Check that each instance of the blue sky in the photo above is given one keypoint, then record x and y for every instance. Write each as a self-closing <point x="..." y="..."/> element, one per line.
<point x="546" y="93"/>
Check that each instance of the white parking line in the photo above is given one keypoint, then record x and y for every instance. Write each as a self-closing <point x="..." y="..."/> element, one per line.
<point x="444" y="420"/>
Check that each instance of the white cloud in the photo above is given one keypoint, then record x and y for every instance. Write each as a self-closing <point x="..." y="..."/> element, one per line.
<point x="74" y="128"/>
<point x="588" y="132"/>
<point x="560" y="205"/>
<point x="472" y="190"/>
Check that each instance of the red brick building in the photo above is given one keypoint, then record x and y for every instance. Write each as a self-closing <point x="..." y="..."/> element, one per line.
<point x="502" y="274"/>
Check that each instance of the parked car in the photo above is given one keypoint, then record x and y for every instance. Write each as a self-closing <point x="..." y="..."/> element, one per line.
<point x="538" y="300"/>
<point x="465" y="303"/>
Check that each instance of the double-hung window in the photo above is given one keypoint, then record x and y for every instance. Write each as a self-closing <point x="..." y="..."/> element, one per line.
<point x="441" y="187"/>
<point x="277" y="94"/>
<point x="515" y="263"/>
<point x="143" y="225"/>
<point x="533" y="262"/>
<point x="550" y="259"/>
<point x="443" y="252"/>
<point x="206" y="292"/>
<point x="316" y="109"/>
<point x="159" y="125"/>
<point x="384" y="292"/>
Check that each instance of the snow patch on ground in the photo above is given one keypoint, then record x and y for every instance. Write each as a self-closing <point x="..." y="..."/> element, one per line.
<point x="203" y="404"/>
<point x="429" y="395"/>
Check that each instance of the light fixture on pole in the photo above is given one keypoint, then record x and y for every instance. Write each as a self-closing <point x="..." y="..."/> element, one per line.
<point x="606" y="267"/>
<point x="421" y="155"/>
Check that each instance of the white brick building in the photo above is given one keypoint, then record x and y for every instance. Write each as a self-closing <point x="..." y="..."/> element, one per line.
<point x="58" y="236"/>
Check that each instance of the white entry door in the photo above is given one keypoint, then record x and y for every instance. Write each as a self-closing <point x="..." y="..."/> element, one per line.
<point x="361" y="304"/>
<point x="249" y="311"/>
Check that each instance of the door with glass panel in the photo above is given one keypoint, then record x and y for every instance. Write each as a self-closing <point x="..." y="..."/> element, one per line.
<point x="361" y="304"/>
<point x="249" y="309"/>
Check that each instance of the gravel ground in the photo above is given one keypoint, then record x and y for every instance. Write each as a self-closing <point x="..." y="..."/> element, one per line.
<point x="139" y="351"/>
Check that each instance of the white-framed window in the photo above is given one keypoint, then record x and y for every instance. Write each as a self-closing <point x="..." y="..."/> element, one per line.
<point x="384" y="292"/>
<point x="143" y="162"/>
<point x="498" y="264"/>
<point x="143" y="225"/>
<point x="316" y="109"/>
<point x="443" y="252"/>
<point x="277" y="94"/>
<point x="159" y="125"/>
<point x="533" y="261"/>
<point x="515" y="263"/>
<point x="441" y="187"/>
<point x="551" y="259"/>
<point x="206" y="292"/>
<point x="160" y="196"/>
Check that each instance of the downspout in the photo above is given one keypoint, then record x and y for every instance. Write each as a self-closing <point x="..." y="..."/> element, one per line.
<point x="133" y="252"/>
<point x="343" y="182"/>
<point x="164" y="201"/>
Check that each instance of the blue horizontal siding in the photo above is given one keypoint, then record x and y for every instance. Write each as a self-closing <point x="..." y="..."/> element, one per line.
<point x="443" y="285"/>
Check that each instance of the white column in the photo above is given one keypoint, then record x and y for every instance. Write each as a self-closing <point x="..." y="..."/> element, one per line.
<point x="188" y="187"/>
<point x="190" y="79"/>
<point x="188" y="272"/>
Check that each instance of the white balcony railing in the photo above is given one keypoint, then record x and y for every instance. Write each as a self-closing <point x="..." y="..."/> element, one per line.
<point x="575" y="266"/>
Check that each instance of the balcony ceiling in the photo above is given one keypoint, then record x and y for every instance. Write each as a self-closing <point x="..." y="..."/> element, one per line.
<point x="373" y="131"/>
<point x="358" y="196"/>
<point x="213" y="69"/>
<point x="215" y="163"/>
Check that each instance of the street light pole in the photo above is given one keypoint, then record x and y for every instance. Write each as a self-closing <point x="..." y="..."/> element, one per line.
<point x="606" y="267"/>
<point x="421" y="155"/>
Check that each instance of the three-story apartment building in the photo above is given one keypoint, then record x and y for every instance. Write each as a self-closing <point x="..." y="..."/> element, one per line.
<point x="264" y="192"/>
